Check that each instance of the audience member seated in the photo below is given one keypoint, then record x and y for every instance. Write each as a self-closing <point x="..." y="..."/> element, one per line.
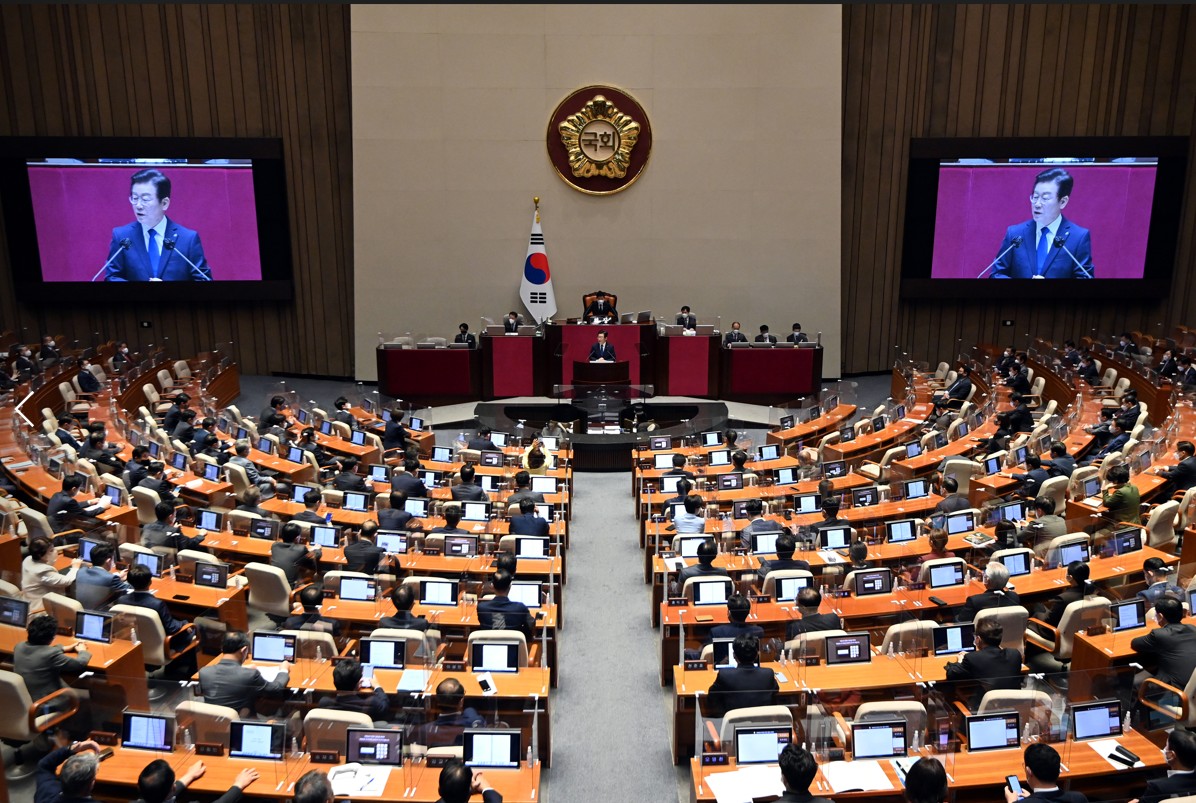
<point x="468" y="490"/>
<point x="292" y="554"/>
<point x="1045" y="527"/>
<point x="452" y="517"/>
<point x="707" y="552"/>
<point x="396" y="517"/>
<point x="80" y="762"/>
<point x="738" y="609"/>
<point x="990" y="665"/>
<point x="348" y="479"/>
<point x="311" y="504"/>
<point x="229" y="683"/>
<point x="39" y="577"/>
<point x="452" y="716"/>
<point x="481" y="441"/>
<point x="678" y="468"/>
<point x="407" y="482"/>
<point x="1034" y="477"/>
<point x="1180" y="780"/>
<point x="346" y="679"/>
<point x="523" y="481"/>
<point x="1169" y="649"/>
<point x="343" y="413"/>
<point x="361" y="554"/>
<point x="165" y="533"/>
<point x="786" y="546"/>
<point x="809" y="600"/>
<point x="99" y="583"/>
<point x="157" y="784"/>
<point x="41" y="664"/>
<point x="1042" y="766"/>
<point x="1157" y="573"/>
<point x="527" y="522"/>
<point x="140" y="579"/>
<point x="311" y="618"/>
<point x="745" y="685"/>
<point x="688" y="520"/>
<point x="155" y="480"/>
<point x="1061" y="464"/>
<point x="250" y="502"/>
<point x="1182" y="475"/>
<point x="403" y="597"/>
<point x="925" y="782"/>
<point x="953" y="501"/>
<point x="995" y="594"/>
<point x="64" y="511"/>
<point x="458" y="783"/>
<point x="759" y="524"/>
<point x="503" y="613"/>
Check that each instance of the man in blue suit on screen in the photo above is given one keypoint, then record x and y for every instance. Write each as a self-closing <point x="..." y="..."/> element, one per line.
<point x="1039" y="248"/>
<point x="154" y="248"/>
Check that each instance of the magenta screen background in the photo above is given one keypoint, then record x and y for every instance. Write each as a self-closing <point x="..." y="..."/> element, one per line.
<point x="75" y="209"/>
<point x="976" y="204"/>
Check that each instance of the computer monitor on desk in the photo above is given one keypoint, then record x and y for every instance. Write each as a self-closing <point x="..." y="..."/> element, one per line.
<point x="711" y="592"/>
<point x="442" y="593"/>
<point x="994" y="731"/>
<point x="760" y="745"/>
<point x="873" y="581"/>
<point x="878" y="739"/>
<point x="144" y="731"/>
<point x="257" y="740"/>
<point x="491" y="747"/>
<point x="374" y="746"/>
<point x="851" y="648"/>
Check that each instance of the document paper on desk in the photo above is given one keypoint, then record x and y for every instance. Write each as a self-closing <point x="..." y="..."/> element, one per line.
<point x="413" y="680"/>
<point x="193" y="483"/>
<point x="359" y="780"/>
<point x="269" y="672"/>
<point x="746" y="784"/>
<point x="861" y="776"/>
<point x="1104" y="747"/>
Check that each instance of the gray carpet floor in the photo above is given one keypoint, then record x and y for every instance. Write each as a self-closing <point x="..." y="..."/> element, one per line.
<point x="610" y="717"/>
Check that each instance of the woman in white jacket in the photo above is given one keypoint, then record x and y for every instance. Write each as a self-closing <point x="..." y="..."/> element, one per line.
<point x="39" y="577"/>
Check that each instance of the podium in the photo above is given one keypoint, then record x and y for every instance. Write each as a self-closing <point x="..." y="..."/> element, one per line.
<point x="601" y="373"/>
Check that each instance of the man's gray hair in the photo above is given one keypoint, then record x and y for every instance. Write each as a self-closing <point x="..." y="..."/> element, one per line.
<point x="996" y="576"/>
<point x="79" y="772"/>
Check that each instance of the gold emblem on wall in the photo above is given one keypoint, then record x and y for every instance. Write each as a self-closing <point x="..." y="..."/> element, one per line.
<point x="599" y="140"/>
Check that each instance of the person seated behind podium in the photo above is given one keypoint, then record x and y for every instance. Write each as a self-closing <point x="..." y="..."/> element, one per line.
<point x="157" y="784"/>
<point x="503" y="613"/>
<point x="739" y="462"/>
<point x="407" y="481"/>
<point x="395" y="434"/>
<point x="346" y="679"/>
<point x="739" y="608"/>
<point x="311" y="618"/>
<point x="465" y="336"/>
<point x="809" y="600"/>
<point x="798" y="769"/>
<point x="468" y="489"/>
<point x="140" y="579"/>
<point x="786" y="544"/>
<point x="527" y="522"/>
<point x="602" y="351"/>
<point x="925" y="782"/>
<point x="105" y="459"/>
<point x="797" y="335"/>
<point x="307" y="442"/>
<point x="688" y="520"/>
<point x="601" y="310"/>
<point x="991" y="665"/>
<point x="707" y="552"/>
<point x="403" y="597"/>
<point x="482" y="442"/>
<point x="165" y="532"/>
<point x="348" y="479"/>
<point x="232" y="684"/>
<point x="747" y="684"/>
<point x="88" y="382"/>
<point x="685" y="319"/>
<point x="1042" y="765"/>
<point x="764" y="336"/>
<point x="174" y="414"/>
<point x="458" y="784"/>
<point x="292" y="554"/>
<point x="1180" y="780"/>
<point x="510" y="324"/>
<point x="995" y="595"/>
<point x="684" y="486"/>
<point x="734" y="336"/>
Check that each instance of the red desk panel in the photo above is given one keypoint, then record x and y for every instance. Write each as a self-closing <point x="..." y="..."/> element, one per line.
<point x="430" y="375"/>
<point x="687" y="366"/>
<point x="512" y="366"/>
<point x="770" y="375"/>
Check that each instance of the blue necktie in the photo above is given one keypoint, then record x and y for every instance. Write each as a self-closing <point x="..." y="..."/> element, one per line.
<point x="155" y="253"/>
<point x="1042" y="249"/>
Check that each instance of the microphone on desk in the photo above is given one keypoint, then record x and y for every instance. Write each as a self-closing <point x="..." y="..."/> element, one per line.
<point x="1012" y="245"/>
<point x="171" y="245"/>
<point x="123" y="244"/>
<point x="1059" y="243"/>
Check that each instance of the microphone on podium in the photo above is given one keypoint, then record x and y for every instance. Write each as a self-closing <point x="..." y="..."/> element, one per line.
<point x="171" y="245"/>
<point x="1059" y="243"/>
<point x="1012" y="245"/>
<point x="122" y="245"/>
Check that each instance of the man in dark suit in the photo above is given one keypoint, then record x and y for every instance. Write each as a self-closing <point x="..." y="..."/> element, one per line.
<point x="98" y="583"/>
<point x="1117" y="439"/>
<point x="481" y="441"/>
<point x="786" y="544"/>
<point x="1061" y="463"/>
<point x="170" y="421"/>
<point x="291" y="555"/>
<point x="1172" y="645"/>
<point x="311" y="504"/>
<point x="1186" y="375"/>
<point x="41" y="663"/>
<point x="764" y="336"/>
<point x="811" y="621"/>
<point x="346" y="679"/>
<point x="738" y="609"/>
<point x="342" y="413"/>
<point x="957" y="392"/>
<point x="468" y="489"/>
<point x="523" y="482"/>
<point x="140" y="579"/>
<point x="231" y="684"/>
<point x="1180" y="780"/>
<point x="734" y="336"/>
<point x="601" y="310"/>
<point x="747" y="684"/>
<point x="361" y="554"/>
<point x="1018" y="419"/>
<point x="311" y="618"/>
<point x="601" y="350"/>
<point x="756" y="524"/>
<point x="403" y="597"/>
<point x="991" y="665"/>
<point x="707" y="552"/>
<point x="952" y="501"/>
<point x="503" y="613"/>
<point x="395" y="517"/>
<point x="407" y="482"/>
<point x="527" y="522"/>
<point x="1042" y="766"/>
<point x="1168" y="366"/>
<point x="184" y="431"/>
<point x="154" y="248"/>
<point x="64" y="511"/>
<point x="63" y="433"/>
<point x="87" y="380"/>
<point x="395" y="435"/>
<point x="1126" y="344"/>
<point x="155" y="480"/>
<point x="995" y="595"/>
<point x="510" y="324"/>
<point x="164" y="532"/>
<point x="1087" y="371"/>
<point x="1183" y="475"/>
<point x="1035" y="249"/>
<point x="1016" y="381"/>
<point x="1034" y="477"/>
<point x="798" y="769"/>
<point x="685" y="319"/>
<point x="465" y="336"/>
<point x="348" y="479"/>
<point x="797" y="335"/>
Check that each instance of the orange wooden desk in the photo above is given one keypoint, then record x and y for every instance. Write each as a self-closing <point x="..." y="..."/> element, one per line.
<point x="120" y="663"/>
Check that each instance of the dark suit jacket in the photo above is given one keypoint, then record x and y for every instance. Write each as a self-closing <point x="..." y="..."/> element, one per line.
<point x="49" y="785"/>
<point x="404" y="620"/>
<point x="348" y="481"/>
<point x="42" y="666"/>
<point x="1060" y="466"/>
<point x="1032" y="480"/>
<point x="687" y="321"/>
<point x="468" y="492"/>
<point x="395" y="436"/>
<point x="993" y="667"/>
<point x="158" y="534"/>
<point x="362" y="556"/>
<point x="504" y="613"/>
<point x="1183" y="475"/>
<point x="230" y="684"/>
<point x="767" y="566"/>
<point x="309" y="620"/>
<point x="133" y="265"/>
<point x="163" y="488"/>
<point x="1174" y="648"/>
<point x="797" y="337"/>
<point x="524" y="493"/>
<point x="602" y="351"/>
<point x="1019" y="419"/>
<point x="290" y="558"/>
<point x="735" y="336"/>
<point x="742" y="687"/>
<point x="1180" y="785"/>
<point x="481" y="444"/>
<point x="601" y="308"/>
<point x="466" y="337"/>
<point x="1022" y="261"/>
<point x="766" y="338"/>
<point x="170" y="421"/>
<point x="528" y="524"/>
<point x="983" y="601"/>
<point x="88" y="382"/>
<point x="145" y="599"/>
<point x="1114" y="445"/>
<point x="389" y="519"/>
<point x="375" y="705"/>
<point x="735" y="629"/>
<point x="1168" y="367"/>
<point x="510" y="326"/>
<point x="952" y="503"/>
<point x="409" y="484"/>
<point x="813" y="624"/>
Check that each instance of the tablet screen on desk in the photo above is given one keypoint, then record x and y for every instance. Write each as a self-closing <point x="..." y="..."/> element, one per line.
<point x="687" y="545"/>
<point x="356" y="502"/>
<point x="721" y="653"/>
<point x="385" y="653"/>
<point x="417" y="507"/>
<point x="211" y="575"/>
<point x="211" y="472"/>
<point x="961" y="522"/>
<point x="266" y="446"/>
<point x="730" y="482"/>
<point x="787" y="587"/>
<point x="209" y="520"/>
<point x="954" y="639"/>
<point x="357" y="437"/>
<point x="878" y="739"/>
<point x="178" y="461"/>
<point x="416" y="423"/>
<point x="807" y="503"/>
<point x="438" y="592"/>
<point x="430" y="479"/>
<point x="916" y="489"/>
<point x="720" y="457"/>
<point x="14" y="611"/>
<point x="326" y="427"/>
<point x="760" y="745"/>
<point x="442" y="454"/>
<point x="147" y="732"/>
<point x="913" y="449"/>
<point x="852" y="648"/>
<point x="526" y="592"/>
<point x="547" y="485"/>
<point x="550" y="442"/>
<point x="765" y="543"/>
<point x="711" y="592"/>
<point x="272" y="647"/>
<point x="369" y="746"/>
<point x="491" y="747"/>
<point x="1069" y="553"/>
<point x="1127" y="541"/>
<point x="256" y="740"/>
<point x="460" y="546"/>
<point x="864" y="497"/>
<point x="85" y="547"/>
<point x="901" y="531"/>
<point x="115" y="493"/>
<point x="946" y="575"/>
<point x="712" y="438"/>
<point x="1129" y="614"/>
<point x="873" y="581"/>
<point x="264" y="528"/>
<point x="391" y="541"/>
<point x="491" y="459"/>
<point x="475" y="511"/>
<point x="835" y="537"/>
<point x="668" y="485"/>
<point x="531" y="547"/>
<point x="1018" y="563"/>
<point x="486" y="657"/>
<point x="660" y="444"/>
<point x="785" y="476"/>
<point x="94" y="626"/>
<point x="662" y="461"/>
<point x="994" y="731"/>
<point x="1099" y="719"/>
<point x="358" y="589"/>
<point x="787" y="422"/>
<point x="770" y="451"/>
<point x="149" y="561"/>
<point x="833" y="468"/>
<point x="328" y="535"/>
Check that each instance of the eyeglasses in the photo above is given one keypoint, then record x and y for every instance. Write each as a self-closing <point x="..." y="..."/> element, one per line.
<point x="1046" y="198"/>
<point x="143" y="199"/>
